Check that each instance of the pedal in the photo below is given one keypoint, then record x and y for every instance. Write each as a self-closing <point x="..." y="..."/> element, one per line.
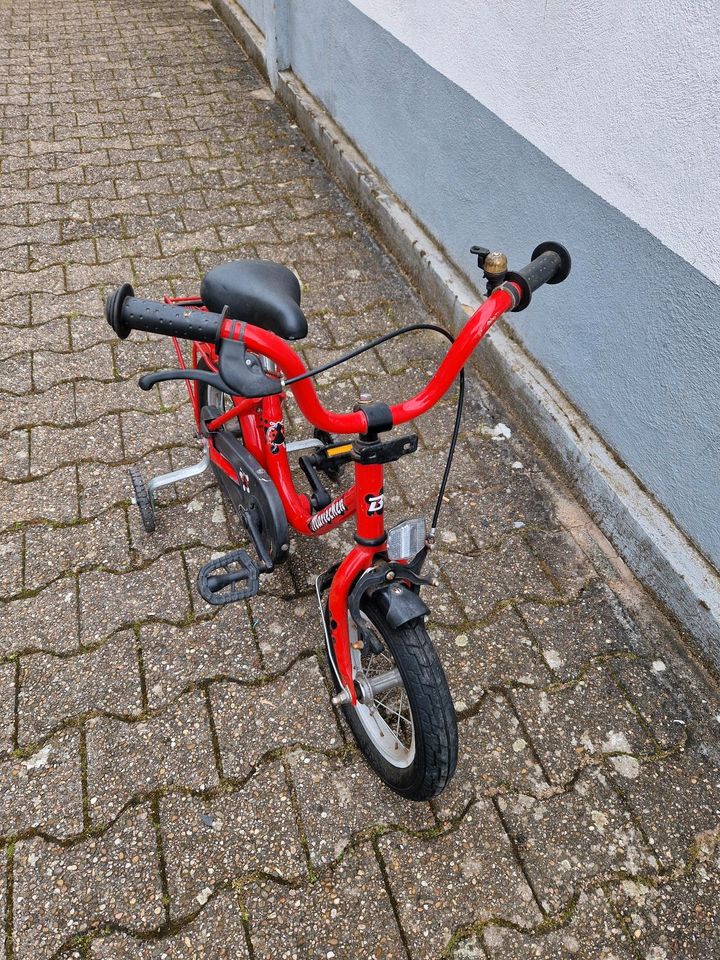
<point x="235" y="576"/>
<point x="333" y="456"/>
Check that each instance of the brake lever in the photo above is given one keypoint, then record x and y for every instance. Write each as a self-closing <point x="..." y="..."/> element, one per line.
<point x="243" y="371"/>
<point x="148" y="380"/>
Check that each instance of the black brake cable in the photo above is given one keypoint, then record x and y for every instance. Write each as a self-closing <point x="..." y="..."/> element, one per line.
<point x="436" y="328"/>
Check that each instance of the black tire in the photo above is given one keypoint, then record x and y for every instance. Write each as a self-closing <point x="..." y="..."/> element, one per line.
<point x="431" y="707"/>
<point x="142" y="500"/>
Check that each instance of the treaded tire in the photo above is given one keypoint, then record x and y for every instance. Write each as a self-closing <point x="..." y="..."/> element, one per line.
<point x="433" y="713"/>
<point x="142" y="499"/>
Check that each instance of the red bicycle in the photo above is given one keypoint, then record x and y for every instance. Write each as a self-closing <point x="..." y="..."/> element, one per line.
<point x="389" y="681"/>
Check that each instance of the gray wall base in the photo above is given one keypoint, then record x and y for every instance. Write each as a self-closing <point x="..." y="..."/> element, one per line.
<point x="650" y="543"/>
<point x="244" y="30"/>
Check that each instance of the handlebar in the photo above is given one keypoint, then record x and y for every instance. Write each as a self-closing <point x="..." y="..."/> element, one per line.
<point x="550" y="263"/>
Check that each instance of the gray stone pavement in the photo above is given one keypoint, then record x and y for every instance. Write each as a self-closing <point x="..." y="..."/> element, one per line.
<point x="175" y="784"/>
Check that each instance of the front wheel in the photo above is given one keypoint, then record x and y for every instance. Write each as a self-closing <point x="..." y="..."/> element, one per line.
<point x="404" y="721"/>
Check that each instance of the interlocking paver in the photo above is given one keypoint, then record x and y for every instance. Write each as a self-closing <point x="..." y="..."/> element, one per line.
<point x="11" y="564"/>
<point x="341" y="801"/>
<point x="217" y="933"/>
<point x="109" y="601"/>
<point x="499" y="653"/>
<point x="46" y="621"/>
<point x="676" y="921"/>
<point x="218" y="648"/>
<point x="53" y="690"/>
<point x="43" y="790"/>
<point x="51" y="279"/>
<point x="572" y="635"/>
<point x="95" y="400"/>
<point x="499" y="577"/>
<point x="661" y="792"/>
<point x="56" y="406"/>
<point x="14" y="310"/>
<point x="50" y="551"/>
<point x="593" y="933"/>
<point x="51" y="367"/>
<point x="285" y="628"/>
<point x="7" y="706"/>
<point x="15" y="463"/>
<point x="468" y="875"/>
<point x="210" y="843"/>
<point x="63" y="892"/>
<point x="575" y="838"/>
<point x="125" y="760"/>
<point x="254" y="720"/>
<point x="54" y="447"/>
<point x="51" y="498"/>
<point x="328" y="918"/>
<point x="143" y="434"/>
<point x="571" y="724"/>
<point x="562" y="559"/>
<point x="657" y="698"/>
<point x="18" y="341"/>
<point x="136" y="143"/>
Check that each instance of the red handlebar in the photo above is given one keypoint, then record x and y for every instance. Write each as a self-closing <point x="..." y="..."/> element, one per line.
<point x="550" y="264"/>
<point x="280" y="351"/>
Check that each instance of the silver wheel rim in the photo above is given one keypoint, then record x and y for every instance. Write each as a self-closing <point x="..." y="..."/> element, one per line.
<point x="216" y="398"/>
<point x="385" y="718"/>
<point x="223" y="402"/>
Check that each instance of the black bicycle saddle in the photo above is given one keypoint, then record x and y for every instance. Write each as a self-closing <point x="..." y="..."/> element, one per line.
<point x="260" y="292"/>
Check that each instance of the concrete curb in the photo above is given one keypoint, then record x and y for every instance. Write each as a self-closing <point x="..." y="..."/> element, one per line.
<point x="650" y="543"/>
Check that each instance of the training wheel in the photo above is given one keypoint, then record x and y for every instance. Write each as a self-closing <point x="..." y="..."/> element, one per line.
<point x="143" y="500"/>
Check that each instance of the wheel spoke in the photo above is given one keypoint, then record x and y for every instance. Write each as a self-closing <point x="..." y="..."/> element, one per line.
<point x="400" y="716"/>
<point x="386" y="715"/>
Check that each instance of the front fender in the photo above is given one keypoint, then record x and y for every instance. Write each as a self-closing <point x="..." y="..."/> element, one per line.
<point x="399" y="604"/>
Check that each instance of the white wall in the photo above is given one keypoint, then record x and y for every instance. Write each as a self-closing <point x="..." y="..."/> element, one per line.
<point x="623" y="94"/>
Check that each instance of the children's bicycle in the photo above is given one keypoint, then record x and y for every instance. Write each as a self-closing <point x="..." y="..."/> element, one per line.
<point x="388" y="679"/>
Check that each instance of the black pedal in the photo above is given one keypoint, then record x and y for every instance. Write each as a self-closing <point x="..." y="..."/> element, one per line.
<point x="227" y="579"/>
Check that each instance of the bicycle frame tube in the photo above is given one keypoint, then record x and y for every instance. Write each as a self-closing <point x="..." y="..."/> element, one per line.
<point x="370" y="535"/>
<point x="263" y="433"/>
<point x="297" y="505"/>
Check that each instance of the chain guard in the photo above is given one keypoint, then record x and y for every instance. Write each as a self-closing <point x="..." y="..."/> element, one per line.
<point x="255" y="493"/>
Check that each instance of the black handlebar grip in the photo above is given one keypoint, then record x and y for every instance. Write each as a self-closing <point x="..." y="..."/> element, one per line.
<point x="550" y="263"/>
<point x="125" y="312"/>
<point x="172" y="320"/>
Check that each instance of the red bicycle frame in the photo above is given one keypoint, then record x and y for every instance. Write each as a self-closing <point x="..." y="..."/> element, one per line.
<point x="261" y="422"/>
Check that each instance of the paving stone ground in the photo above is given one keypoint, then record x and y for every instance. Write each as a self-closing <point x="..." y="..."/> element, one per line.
<point x="174" y="783"/>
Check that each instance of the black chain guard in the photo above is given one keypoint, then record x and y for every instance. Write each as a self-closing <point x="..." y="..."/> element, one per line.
<point x="255" y="493"/>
